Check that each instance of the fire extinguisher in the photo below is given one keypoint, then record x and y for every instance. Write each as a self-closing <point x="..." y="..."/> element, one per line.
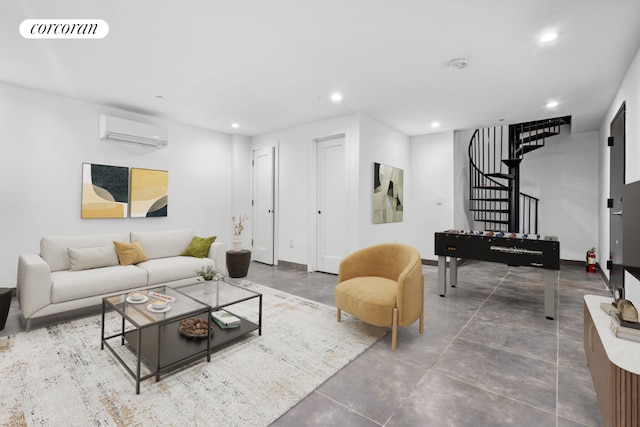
<point x="591" y="260"/>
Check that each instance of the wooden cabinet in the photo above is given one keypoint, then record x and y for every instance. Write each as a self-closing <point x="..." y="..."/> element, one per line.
<point x="615" y="381"/>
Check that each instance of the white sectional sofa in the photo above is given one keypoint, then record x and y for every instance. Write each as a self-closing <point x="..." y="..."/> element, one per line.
<point x="73" y="272"/>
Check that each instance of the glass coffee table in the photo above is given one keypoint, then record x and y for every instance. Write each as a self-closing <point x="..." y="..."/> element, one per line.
<point x="162" y="346"/>
<point x="152" y="336"/>
<point x="241" y="302"/>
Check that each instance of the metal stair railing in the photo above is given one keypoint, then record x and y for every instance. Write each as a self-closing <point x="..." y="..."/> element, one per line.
<point x="489" y="184"/>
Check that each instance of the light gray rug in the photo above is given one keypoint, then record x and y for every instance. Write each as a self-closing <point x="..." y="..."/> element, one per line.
<point x="59" y="376"/>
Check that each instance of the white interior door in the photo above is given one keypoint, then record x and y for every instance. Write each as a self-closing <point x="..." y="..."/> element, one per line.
<point x="331" y="214"/>
<point x="263" y="214"/>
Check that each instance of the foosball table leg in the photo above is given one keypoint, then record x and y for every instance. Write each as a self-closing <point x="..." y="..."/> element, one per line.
<point x="453" y="271"/>
<point x="442" y="275"/>
<point x="550" y="294"/>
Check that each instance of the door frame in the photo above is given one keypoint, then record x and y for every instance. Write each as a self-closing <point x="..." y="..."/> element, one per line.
<point x="276" y="189"/>
<point x="617" y="144"/>
<point x="319" y="141"/>
<point x="351" y="182"/>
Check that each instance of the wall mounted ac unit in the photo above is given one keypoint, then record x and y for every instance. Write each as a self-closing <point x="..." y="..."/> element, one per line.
<point x="129" y="131"/>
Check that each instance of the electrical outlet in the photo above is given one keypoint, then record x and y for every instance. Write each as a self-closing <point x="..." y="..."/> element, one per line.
<point x="290" y="243"/>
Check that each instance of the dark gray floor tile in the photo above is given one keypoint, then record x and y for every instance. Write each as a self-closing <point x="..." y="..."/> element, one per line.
<point x="571" y="353"/>
<point x="318" y="410"/>
<point x="374" y="384"/>
<point x="530" y="381"/>
<point x="577" y="399"/>
<point x="513" y="337"/>
<point x="445" y="402"/>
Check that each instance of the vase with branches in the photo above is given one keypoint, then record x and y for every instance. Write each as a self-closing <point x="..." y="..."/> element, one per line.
<point x="239" y="223"/>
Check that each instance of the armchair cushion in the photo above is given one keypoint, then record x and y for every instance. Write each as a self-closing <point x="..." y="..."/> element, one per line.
<point x="372" y="298"/>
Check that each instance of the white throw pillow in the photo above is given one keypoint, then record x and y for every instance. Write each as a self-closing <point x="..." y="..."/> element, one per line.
<point x="86" y="258"/>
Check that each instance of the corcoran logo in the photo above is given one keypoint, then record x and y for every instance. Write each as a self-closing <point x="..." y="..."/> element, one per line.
<point x="64" y="29"/>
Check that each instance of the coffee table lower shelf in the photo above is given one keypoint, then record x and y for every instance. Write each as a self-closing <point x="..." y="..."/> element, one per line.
<point x="177" y="350"/>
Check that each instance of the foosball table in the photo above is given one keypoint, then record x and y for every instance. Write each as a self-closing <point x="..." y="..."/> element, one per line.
<point x="514" y="249"/>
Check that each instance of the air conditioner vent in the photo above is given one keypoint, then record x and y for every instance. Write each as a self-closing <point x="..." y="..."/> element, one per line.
<point x="132" y="132"/>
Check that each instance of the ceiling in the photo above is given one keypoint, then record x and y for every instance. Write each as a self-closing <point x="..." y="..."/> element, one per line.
<point x="273" y="64"/>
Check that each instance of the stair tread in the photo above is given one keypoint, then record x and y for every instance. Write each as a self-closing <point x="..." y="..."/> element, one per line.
<point x="495" y="221"/>
<point x="489" y="199"/>
<point x="512" y="162"/>
<point x="489" y="187"/>
<point x="489" y="210"/>
<point x="524" y="149"/>
<point x="500" y="175"/>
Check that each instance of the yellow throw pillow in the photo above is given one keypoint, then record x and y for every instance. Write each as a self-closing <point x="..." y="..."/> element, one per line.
<point x="199" y="247"/>
<point x="130" y="253"/>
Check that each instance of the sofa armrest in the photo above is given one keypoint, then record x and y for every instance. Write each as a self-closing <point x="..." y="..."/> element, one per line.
<point x="33" y="284"/>
<point x="218" y="253"/>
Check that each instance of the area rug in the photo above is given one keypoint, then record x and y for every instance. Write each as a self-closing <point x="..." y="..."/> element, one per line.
<point x="59" y="376"/>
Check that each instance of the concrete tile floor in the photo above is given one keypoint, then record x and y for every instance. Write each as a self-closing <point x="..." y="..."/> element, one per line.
<point x="488" y="356"/>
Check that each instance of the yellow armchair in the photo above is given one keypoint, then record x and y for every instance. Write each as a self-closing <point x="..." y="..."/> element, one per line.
<point x="382" y="285"/>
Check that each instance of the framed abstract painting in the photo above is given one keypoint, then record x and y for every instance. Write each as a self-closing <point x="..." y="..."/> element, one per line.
<point x="105" y="191"/>
<point x="149" y="193"/>
<point x="388" y="194"/>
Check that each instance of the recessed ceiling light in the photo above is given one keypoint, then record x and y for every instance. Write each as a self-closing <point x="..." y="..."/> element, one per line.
<point x="435" y="124"/>
<point x="552" y="104"/>
<point x="547" y="37"/>
<point x="336" y="97"/>
<point x="235" y="125"/>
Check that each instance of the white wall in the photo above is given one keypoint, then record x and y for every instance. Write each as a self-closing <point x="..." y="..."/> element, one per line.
<point x="431" y="174"/>
<point x="382" y="144"/>
<point x="46" y="138"/>
<point x="241" y="184"/>
<point x="462" y="218"/>
<point x="629" y="91"/>
<point x="563" y="175"/>
<point x="296" y="184"/>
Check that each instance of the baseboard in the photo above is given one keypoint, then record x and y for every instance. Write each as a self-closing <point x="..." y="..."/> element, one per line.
<point x="292" y="265"/>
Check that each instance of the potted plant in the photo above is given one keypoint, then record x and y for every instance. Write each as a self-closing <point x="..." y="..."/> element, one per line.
<point x="210" y="275"/>
<point x="238" y="227"/>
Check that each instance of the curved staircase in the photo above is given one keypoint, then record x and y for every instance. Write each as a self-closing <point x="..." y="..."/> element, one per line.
<point x="495" y="155"/>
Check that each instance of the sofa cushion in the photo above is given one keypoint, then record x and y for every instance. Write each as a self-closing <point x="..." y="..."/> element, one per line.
<point x="130" y="253"/>
<point x="163" y="244"/>
<point x="86" y="258"/>
<point x="71" y="285"/>
<point x="54" y="249"/>
<point x="173" y="268"/>
<point x="199" y="246"/>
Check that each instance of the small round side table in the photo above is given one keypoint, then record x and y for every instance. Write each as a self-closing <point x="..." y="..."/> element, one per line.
<point x="5" y="304"/>
<point x="238" y="263"/>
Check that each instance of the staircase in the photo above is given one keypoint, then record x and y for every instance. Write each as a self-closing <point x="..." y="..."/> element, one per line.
<point x="494" y="174"/>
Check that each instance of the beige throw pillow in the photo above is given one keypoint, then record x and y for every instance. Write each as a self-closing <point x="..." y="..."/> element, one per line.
<point x="86" y="258"/>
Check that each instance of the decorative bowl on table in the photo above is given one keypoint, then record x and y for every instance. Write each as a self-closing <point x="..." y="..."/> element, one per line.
<point x="194" y="327"/>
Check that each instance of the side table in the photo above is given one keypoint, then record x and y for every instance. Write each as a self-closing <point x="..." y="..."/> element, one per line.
<point x="238" y="263"/>
<point x="5" y="304"/>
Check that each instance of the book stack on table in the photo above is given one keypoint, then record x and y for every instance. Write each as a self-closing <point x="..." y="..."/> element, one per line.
<point x="624" y="329"/>
<point x="225" y="320"/>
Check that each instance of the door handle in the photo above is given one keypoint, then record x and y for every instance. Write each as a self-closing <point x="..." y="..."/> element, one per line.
<point x="619" y="213"/>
